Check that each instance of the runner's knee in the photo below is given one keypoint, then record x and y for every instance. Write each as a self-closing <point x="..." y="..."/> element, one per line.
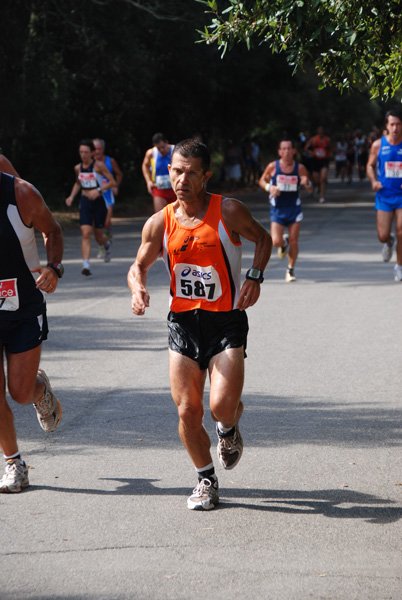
<point x="225" y="411"/>
<point x="190" y="416"/>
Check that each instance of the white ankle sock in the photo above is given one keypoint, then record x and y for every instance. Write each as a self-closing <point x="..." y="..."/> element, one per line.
<point x="12" y="456"/>
<point x="223" y="429"/>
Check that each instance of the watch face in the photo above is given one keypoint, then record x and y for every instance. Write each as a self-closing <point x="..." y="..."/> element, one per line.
<point x="255" y="273"/>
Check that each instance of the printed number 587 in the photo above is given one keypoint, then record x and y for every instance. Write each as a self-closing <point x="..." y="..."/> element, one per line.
<point x="199" y="289"/>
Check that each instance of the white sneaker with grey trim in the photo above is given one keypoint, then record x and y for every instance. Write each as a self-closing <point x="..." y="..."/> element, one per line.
<point x="48" y="409"/>
<point x="205" y="495"/>
<point x="15" y="477"/>
<point x="387" y="249"/>
<point x="398" y="273"/>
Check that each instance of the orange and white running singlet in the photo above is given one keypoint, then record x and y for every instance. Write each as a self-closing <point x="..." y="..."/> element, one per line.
<point x="203" y="262"/>
<point x="321" y="147"/>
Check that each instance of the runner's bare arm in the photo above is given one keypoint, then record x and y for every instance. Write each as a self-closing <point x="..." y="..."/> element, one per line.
<point x="240" y="222"/>
<point x="7" y="167"/>
<point x="265" y="179"/>
<point x="76" y="186"/>
<point x="371" y="166"/>
<point x="266" y="176"/>
<point x="308" y="145"/>
<point x="100" y="167"/>
<point x="34" y="212"/>
<point x="118" y="175"/>
<point x="148" y="252"/>
<point x="146" y="170"/>
<point x="304" y="178"/>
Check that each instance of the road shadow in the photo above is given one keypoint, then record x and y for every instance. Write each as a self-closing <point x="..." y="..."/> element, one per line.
<point x="138" y="418"/>
<point x="328" y="503"/>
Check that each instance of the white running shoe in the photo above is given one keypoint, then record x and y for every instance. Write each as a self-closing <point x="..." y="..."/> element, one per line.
<point x="398" y="273"/>
<point x="290" y="276"/>
<point x="387" y="249"/>
<point x="15" y="477"/>
<point x="48" y="409"/>
<point x="283" y="250"/>
<point x="101" y="252"/>
<point x="205" y="495"/>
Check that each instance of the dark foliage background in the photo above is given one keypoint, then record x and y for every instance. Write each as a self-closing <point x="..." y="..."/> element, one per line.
<point x="117" y="70"/>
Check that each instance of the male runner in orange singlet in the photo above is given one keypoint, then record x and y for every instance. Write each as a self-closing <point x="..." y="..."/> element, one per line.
<point x="199" y="237"/>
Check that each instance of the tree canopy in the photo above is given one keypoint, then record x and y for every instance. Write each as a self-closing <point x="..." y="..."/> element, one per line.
<point x="353" y="43"/>
<point x="124" y="69"/>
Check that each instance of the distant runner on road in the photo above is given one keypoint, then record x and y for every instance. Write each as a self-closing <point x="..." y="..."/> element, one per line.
<point x="199" y="238"/>
<point x="110" y="194"/>
<point x="320" y="146"/>
<point x="385" y="159"/>
<point x="282" y="179"/>
<point x="156" y="172"/>
<point x="90" y="175"/>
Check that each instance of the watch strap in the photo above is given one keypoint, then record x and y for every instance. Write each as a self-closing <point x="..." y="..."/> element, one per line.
<point x="57" y="268"/>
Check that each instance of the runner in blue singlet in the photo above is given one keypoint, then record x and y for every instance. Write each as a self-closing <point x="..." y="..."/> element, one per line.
<point x="384" y="169"/>
<point x="282" y="179"/>
<point x="156" y="173"/>
<point x="110" y="194"/>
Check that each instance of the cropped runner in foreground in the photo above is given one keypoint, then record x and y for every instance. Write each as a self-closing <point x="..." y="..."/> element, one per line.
<point x="199" y="238"/>
<point x="386" y="158"/>
<point x="282" y="179"/>
<point x="23" y="323"/>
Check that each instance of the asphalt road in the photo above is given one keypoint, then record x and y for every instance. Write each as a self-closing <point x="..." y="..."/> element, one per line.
<point x="313" y="510"/>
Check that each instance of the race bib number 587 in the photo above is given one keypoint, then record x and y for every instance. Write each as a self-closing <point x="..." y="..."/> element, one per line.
<point x="194" y="282"/>
<point x="9" y="294"/>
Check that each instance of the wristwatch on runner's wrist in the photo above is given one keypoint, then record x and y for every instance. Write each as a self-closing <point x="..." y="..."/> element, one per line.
<point x="255" y="275"/>
<point x="57" y="268"/>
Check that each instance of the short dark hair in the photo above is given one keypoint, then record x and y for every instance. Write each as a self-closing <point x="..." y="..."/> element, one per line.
<point x="394" y="112"/>
<point x="194" y="149"/>
<point x="87" y="142"/>
<point x="159" y="137"/>
<point x="286" y="139"/>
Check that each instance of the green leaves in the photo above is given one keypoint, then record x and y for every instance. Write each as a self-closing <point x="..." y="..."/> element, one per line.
<point x="353" y="43"/>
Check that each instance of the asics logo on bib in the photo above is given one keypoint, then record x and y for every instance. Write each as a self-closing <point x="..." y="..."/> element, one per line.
<point x="201" y="275"/>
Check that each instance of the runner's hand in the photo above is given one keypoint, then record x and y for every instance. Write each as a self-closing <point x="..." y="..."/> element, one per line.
<point x="249" y="294"/>
<point x="47" y="280"/>
<point x="139" y="301"/>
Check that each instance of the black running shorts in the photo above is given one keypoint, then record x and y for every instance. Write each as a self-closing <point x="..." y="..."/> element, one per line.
<point x="201" y="334"/>
<point x="93" y="212"/>
<point x="22" y="335"/>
